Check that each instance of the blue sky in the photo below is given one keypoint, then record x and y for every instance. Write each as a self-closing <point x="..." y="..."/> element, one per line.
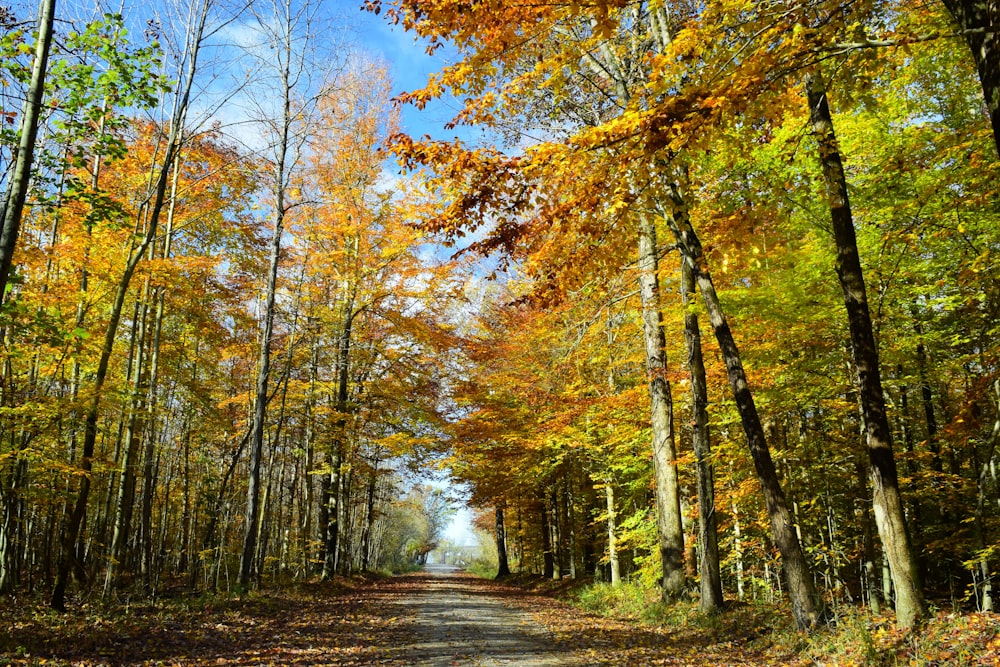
<point x="408" y="62"/>
<point x="407" y="59"/>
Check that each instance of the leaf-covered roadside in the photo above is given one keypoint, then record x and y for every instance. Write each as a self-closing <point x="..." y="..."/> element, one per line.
<point x="616" y="637"/>
<point x="344" y="623"/>
<point x="638" y="629"/>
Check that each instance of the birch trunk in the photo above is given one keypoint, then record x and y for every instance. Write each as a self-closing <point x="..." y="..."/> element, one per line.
<point x="613" y="565"/>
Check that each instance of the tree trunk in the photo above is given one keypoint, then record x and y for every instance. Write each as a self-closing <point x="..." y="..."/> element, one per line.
<point x="17" y="188"/>
<point x="613" y="565"/>
<point x="346" y="514"/>
<point x="927" y="400"/>
<point x="68" y="558"/>
<point x="503" y="566"/>
<point x="548" y="564"/>
<point x="738" y="549"/>
<point x="184" y="558"/>
<point x="870" y="582"/>
<point x="334" y="490"/>
<point x="555" y="532"/>
<point x="807" y="608"/>
<point x="568" y="501"/>
<point x="368" y="527"/>
<point x="979" y="20"/>
<point x="286" y="152"/>
<point x="126" y="488"/>
<point x="708" y="537"/>
<point x="12" y="532"/>
<point x="248" y="570"/>
<point x="309" y="447"/>
<point x="149" y="486"/>
<point x="982" y="467"/>
<point x="219" y="506"/>
<point x="668" y="507"/>
<point x="887" y="502"/>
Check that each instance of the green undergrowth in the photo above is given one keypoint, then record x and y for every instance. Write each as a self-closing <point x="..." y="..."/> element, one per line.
<point x="404" y="568"/>
<point x="751" y="625"/>
<point x="481" y="569"/>
<point x="852" y="638"/>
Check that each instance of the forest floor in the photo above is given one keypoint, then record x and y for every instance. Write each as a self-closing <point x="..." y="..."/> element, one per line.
<point x="444" y="617"/>
<point x="439" y="617"/>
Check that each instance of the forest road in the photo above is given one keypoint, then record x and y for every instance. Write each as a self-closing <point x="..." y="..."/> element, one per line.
<point x="440" y="617"/>
<point x="456" y="621"/>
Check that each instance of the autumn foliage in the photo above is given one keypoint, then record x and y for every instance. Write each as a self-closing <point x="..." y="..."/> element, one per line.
<point x="654" y="183"/>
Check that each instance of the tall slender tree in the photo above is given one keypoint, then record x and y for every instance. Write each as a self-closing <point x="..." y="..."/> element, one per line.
<point x="289" y="30"/>
<point x="887" y="501"/>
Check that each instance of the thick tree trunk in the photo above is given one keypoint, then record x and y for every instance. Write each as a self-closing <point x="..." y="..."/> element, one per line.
<point x="12" y="209"/>
<point x="979" y="19"/>
<point x="668" y="506"/>
<point x="886" y="499"/>
<point x="806" y="605"/>
<point x="503" y="566"/>
<point x="708" y="537"/>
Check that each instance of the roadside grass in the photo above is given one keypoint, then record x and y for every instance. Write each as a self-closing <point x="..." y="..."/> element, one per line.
<point x="481" y="569"/>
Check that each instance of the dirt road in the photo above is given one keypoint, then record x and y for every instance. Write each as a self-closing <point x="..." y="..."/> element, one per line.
<point x="456" y="622"/>
<point x="436" y="618"/>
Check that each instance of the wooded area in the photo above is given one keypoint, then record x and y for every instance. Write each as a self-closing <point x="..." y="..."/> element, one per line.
<point x="150" y="440"/>
<point x="234" y="336"/>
